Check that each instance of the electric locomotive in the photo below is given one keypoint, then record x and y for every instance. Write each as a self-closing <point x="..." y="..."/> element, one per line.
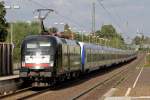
<point x="47" y="58"/>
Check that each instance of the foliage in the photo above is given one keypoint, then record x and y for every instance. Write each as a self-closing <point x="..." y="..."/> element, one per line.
<point x="147" y="60"/>
<point x="67" y="32"/>
<point x="3" y="23"/>
<point x="107" y="31"/>
<point x="107" y="35"/>
<point x="141" y="40"/>
<point x="21" y="30"/>
<point x="53" y="30"/>
<point x="136" y="40"/>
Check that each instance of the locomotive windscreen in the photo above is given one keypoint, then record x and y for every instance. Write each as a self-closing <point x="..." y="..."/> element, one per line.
<point x="38" y="54"/>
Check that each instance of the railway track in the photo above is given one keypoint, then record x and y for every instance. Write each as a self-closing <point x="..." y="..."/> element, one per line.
<point x="119" y="76"/>
<point x="23" y="94"/>
<point x="79" y="91"/>
<point x="29" y="93"/>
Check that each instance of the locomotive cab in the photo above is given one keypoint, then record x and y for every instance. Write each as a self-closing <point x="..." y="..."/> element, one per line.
<point x="37" y="58"/>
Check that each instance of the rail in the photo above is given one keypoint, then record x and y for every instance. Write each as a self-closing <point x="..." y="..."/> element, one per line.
<point x="118" y="74"/>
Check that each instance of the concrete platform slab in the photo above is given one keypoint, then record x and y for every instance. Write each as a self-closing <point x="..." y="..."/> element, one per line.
<point x="8" y="77"/>
<point x="128" y="98"/>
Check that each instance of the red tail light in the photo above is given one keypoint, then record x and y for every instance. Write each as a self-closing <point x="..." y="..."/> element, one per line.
<point x="30" y="65"/>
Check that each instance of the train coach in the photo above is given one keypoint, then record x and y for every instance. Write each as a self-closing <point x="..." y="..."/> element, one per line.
<point x="95" y="56"/>
<point x="46" y="58"/>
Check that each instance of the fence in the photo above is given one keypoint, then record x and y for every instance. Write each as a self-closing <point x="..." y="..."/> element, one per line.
<point x="6" y="64"/>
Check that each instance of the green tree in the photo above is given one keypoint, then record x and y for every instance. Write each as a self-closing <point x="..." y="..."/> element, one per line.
<point x="110" y="33"/>
<point x="107" y="31"/>
<point x="20" y="31"/>
<point x="136" y="40"/>
<point x="3" y="23"/>
<point x="53" y="30"/>
<point x="67" y="31"/>
<point x="146" y="40"/>
<point x="78" y="36"/>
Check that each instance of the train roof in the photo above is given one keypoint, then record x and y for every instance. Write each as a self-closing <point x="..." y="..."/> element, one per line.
<point x="74" y="42"/>
<point x="95" y="46"/>
<point x="57" y="39"/>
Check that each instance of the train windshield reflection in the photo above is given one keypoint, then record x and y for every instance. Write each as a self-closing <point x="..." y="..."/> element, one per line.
<point x="32" y="47"/>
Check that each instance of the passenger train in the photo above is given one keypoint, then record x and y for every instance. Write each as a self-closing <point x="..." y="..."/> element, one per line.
<point x="46" y="59"/>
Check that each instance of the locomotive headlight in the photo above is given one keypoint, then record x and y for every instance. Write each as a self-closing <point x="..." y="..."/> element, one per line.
<point x="23" y="64"/>
<point x="37" y="67"/>
<point x="51" y="64"/>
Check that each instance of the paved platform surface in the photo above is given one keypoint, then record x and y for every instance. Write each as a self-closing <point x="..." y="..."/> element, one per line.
<point x="8" y="77"/>
<point x="128" y="98"/>
<point x="135" y="87"/>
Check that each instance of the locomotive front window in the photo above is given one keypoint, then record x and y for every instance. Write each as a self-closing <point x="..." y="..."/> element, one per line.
<point x="44" y="48"/>
<point x="38" y="51"/>
<point x="32" y="45"/>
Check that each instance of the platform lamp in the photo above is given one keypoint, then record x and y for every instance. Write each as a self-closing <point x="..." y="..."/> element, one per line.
<point x="101" y="41"/>
<point x="83" y="35"/>
<point x="90" y="35"/>
<point x="97" y="40"/>
<point x="106" y="42"/>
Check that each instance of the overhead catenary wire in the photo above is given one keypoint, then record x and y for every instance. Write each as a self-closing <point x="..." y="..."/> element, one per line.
<point x="126" y="27"/>
<point x="75" y="22"/>
<point x="58" y="13"/>
<point x="110" y="15"/>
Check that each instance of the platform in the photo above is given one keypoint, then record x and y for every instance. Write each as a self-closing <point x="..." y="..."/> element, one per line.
<point x="135" y="87"/>
<point x="128" y="98"/>
<point x="3" y="78"/>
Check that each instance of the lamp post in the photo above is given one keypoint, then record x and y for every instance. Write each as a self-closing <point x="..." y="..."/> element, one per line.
<point x="97" y="39"/>
<point x="90" y="38"/>
<point x="82" y="38"/>
<point x="105" y="41"/>
<point x="101" y="41"/>
<point x="11" y="25"/>
<point x="83" y="35"/>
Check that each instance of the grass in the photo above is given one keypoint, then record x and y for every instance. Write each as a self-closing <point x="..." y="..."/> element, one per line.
<point x="147" y="61"/>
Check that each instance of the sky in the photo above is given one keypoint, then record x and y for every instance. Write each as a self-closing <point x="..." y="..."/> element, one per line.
<point x="127" y="16"/>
